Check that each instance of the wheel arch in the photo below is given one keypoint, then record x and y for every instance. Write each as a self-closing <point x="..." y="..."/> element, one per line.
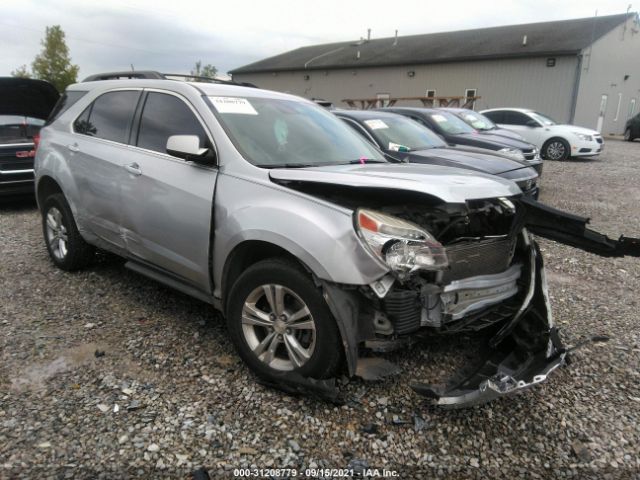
<point x="247" y="253"/>
<point x="46" y="187"/>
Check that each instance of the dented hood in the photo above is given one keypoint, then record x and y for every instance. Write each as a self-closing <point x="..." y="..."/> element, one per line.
<point x="452" y="185"/>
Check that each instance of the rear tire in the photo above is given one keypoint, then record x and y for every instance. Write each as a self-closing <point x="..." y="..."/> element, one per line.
<point x="627" y="135"/>
<point x="65" y="245"/>
<point x="556" y="149"/>
<point x="279" y="322"/>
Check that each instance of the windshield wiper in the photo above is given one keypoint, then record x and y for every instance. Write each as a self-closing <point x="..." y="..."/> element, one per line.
<point x="289" y="165"/>
<point x="364" y="161"/>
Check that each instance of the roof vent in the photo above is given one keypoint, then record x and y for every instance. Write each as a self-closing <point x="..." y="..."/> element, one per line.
<point x="524" y="41"/>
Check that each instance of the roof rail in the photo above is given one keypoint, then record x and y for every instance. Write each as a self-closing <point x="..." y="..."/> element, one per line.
<point x="151" y="74"/>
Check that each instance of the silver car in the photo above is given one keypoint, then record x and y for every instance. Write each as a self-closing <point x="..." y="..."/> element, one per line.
<point x="314" y="248"/>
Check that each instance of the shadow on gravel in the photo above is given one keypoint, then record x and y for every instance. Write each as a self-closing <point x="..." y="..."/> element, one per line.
<point x="17" y="204"/>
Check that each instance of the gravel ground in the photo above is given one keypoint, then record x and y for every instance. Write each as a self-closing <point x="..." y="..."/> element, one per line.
<point x="105" y="374"/>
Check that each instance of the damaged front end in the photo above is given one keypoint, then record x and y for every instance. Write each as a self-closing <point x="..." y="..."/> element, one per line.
<point x="461" y="269"/>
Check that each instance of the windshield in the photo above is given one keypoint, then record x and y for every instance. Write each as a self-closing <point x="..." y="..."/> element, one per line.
<point x="543" y="119"/>
<point x="394" y="133"/>
<point x="15" y="128"/>
<point x="478" y="121"/>
<point x="449" y="123"/>
<point x="287" y="133"/>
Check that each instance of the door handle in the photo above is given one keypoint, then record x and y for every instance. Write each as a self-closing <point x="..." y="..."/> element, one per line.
<point x="73" y="147"/>
<point x="133" y="169"/>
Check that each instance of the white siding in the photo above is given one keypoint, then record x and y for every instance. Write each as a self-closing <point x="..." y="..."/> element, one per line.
<point x="613" y="56"/>
<point x="501" y="83"/>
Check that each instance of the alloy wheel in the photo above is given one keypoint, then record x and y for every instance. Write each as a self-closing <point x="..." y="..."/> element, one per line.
<point x="278" y="327"/>
<point x="57" y="234"/>
<point x="556" y="150"/>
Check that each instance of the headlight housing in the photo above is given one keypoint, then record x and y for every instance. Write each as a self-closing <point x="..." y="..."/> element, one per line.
<point x="401" y="245"/>
<point x="582" y="136"/>
<point x="512" y="152"/>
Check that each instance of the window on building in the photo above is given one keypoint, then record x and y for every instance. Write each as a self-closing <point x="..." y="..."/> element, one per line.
<point x="430" y="94"/>
<point x="615" y="119"/>
<point x="469" y="93"/>
<point x="632" y="108"/>
<point x="383" y="99"/>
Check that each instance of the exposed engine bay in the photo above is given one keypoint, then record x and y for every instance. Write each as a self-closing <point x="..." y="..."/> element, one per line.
<point x="457" y="268"/>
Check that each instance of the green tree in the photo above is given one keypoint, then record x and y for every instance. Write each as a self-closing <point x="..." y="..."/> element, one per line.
<point x="53" y="64"/>
<point x="208" y="70"/>
<point x="21" y="72"/>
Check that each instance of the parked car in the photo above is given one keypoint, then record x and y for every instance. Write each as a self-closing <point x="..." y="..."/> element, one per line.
<point x="24" y="106"/>
<point x="405" y="140"/>
<point x="632" y="128"/>
<point x="555" y="141"/>
<point x="481" y="123"/>
<point x="313" y="246"/>
<point x="458" y="133"/>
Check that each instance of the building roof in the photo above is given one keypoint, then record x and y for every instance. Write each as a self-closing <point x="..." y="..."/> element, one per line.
<point x="565" y="37"/>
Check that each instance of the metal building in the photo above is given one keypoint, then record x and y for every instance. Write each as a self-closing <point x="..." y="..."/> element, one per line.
<point x="584" y="71"/>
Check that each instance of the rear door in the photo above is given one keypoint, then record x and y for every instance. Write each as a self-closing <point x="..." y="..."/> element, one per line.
<point x="167" y="201"/>
<point x="98" y="153"/>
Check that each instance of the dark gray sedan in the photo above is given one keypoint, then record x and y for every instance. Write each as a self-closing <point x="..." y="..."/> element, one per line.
<point x="403" y="139"/>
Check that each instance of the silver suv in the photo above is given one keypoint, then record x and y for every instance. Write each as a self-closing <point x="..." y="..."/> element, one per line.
<point x="314" y="248"/>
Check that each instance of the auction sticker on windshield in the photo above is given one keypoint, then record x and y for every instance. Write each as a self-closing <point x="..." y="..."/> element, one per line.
<point x="233" y="105"/>
<point x="376" y="124"/>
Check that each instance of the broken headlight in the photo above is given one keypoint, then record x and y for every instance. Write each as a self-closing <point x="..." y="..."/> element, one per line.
<point x="401" y="245"/>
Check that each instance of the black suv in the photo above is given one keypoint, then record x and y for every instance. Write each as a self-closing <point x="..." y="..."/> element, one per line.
<point x="632" y="128"/>
<point x="24" y="106"/>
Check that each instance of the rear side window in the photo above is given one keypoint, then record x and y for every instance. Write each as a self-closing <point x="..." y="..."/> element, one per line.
<point x="63" y="104"/>
<point x="110" y="116"/>
<point x="516" y="118"/>
<point x="163" y="116"/>
<point x="495" y="117"/>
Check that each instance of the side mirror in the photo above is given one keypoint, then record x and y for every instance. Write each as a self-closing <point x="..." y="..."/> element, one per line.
<point x="532" y="124"/>
<point x="188" y="147"/>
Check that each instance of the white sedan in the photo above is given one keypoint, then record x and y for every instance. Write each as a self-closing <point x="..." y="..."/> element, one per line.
<point x="556" y="142"/>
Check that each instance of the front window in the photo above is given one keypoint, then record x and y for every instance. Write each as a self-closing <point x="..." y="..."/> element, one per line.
<point x="287" y="133"/>
<point x="478" y="121"/>
<point x="394" y="133"/>
<point x="450" y="124"/>
<point x="543" y="119"/>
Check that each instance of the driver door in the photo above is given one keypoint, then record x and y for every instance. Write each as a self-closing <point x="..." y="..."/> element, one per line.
<point x="167" y="201"/>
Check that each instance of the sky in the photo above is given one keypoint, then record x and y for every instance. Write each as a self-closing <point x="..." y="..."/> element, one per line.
<point x="170" y="36"/>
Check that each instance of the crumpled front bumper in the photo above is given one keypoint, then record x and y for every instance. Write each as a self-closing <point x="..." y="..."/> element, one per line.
<point x="523" y="352"/>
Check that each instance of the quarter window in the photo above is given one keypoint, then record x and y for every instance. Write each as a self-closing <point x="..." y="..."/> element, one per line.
<point x="163" y="116"/>
<point x="109" y="117"/>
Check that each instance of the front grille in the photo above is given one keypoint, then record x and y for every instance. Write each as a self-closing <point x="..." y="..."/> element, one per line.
<point x="481" y="257"/>
<point x="404" y="310"/>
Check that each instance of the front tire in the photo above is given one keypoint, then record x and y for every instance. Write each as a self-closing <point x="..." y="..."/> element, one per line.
<point x="65" y="245"/>
<point x="556" y="149"/>
<point x="279" y="322"/>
